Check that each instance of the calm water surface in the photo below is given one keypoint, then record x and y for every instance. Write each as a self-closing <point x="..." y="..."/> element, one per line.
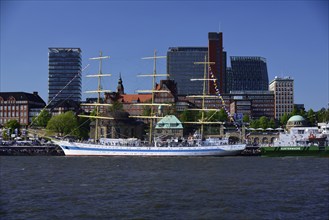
<point x="164" y="188"/>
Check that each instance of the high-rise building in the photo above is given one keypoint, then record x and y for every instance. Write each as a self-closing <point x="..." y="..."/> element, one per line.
<point x="181" y="68"/>
<point x="64" y="79"/>
<point x="283" y="95"/>
<point x="217" y="55"/>
<point x="247" y="74"/>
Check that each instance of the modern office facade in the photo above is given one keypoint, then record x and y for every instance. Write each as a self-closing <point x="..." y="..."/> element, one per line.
<point x="283" y="89"/>
<point x="181" y="68"/>
<point x="247" y="73"/>
<point x="253" y="103"/>
<point x="64" y="79"/>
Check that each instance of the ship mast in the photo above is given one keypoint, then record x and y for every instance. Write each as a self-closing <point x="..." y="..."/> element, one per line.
<point x="99" y="90"/>
<point x="152" y="91"/>
<point x="203" y="96"/>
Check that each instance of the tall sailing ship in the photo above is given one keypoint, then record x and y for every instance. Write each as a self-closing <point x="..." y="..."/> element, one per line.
<point x="196" y="146"/>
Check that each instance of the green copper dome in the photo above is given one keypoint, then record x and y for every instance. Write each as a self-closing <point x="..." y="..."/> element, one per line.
<point x="296" y="121"/>
<point x="296" y="118"/>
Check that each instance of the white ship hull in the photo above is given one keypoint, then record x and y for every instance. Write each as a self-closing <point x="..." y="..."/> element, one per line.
<point x="81" y="149"/>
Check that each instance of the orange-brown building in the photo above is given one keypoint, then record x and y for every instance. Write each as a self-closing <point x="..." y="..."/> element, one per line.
<point x="129" y="100"/>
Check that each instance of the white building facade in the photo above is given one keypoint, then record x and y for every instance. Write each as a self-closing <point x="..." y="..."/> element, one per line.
<point x="283" y="89"/>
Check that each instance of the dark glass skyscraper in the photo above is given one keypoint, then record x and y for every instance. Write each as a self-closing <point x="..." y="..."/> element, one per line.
<point x="64" y="79"/>
<point x="247" y="74"/>
<point x="181" y="68"/>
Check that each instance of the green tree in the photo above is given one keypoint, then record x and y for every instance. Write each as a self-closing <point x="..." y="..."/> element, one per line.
<point x="211" y="116"/>
<point x="323" y="115"/>
<point x="311" y="117"/>
<point x="222" y="115"/>
<point x="284" y="119"/>
<point x="254" y="124"/>
<point x="302" y="113"/>
<point x="183" y="117"/>
<point x="12" y="125"/>
<point x="271" y="123"/>
<point x="64" y="124"/>
<point x="188" y="116"/>
<point x="84" y="127"/>
<point x="42" y="119"/>
<point x="263" y="122"/>
<point x="294" y="112"/>
<point x="246" y="119"/>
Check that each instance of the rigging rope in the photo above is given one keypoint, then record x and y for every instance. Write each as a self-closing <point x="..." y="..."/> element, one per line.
<point x="221" y="98"/>
<point x="78" y="74"/>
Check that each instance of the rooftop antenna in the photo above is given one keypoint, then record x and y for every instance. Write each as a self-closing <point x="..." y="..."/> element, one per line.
<point x="219" y="27"/>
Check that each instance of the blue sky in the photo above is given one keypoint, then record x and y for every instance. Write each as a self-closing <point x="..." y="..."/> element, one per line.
<point x="291" y="35"/>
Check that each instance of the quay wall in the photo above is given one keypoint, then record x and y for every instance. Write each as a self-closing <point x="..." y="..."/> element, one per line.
<point x="31" y="151"/>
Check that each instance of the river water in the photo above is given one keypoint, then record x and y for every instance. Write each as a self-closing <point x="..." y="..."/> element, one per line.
<point x="164" y="188"/>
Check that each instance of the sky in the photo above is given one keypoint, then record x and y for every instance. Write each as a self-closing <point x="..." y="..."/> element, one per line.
<point x="291" y="35"/>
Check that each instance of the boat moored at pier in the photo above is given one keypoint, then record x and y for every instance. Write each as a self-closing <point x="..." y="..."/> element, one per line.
<point x="135" y="147"/>
<point x="197" y="146"/>
<point x="300" y="141"/>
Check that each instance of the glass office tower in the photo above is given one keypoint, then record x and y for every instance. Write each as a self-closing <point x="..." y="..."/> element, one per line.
<point x="181" y="68"/>
<point x="64" y="79"/>
<point x="247" y="74"/>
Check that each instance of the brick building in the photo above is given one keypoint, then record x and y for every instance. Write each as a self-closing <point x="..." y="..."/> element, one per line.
<point x="20" y="106"/>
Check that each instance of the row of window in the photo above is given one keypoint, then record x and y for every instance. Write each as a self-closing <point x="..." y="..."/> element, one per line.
<point x="284" y="93"/>
<point x="11" y="101"/>
<point x="12" y="114"/>
<point x="21" y="120"/>
<point x="285" y="89"/>
<point x="64" y="71"/>
<point x="64" y="67"/>
<point x="69" y="88"/>
<point x="64" y="59"/>
<point x="284" y="102"/>
<point x="64" y="62"/>
<point x="281" y="105"/>
<point x="282" y="85"/>
<point x="14" y="107"/>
